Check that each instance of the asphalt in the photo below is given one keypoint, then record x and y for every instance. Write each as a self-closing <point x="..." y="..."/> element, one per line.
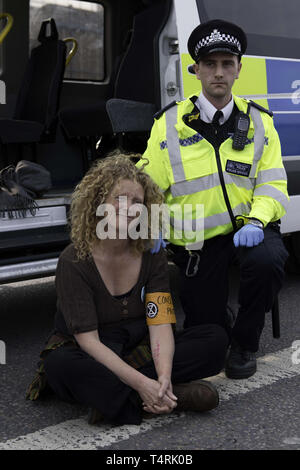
<point x="267" y="418"/>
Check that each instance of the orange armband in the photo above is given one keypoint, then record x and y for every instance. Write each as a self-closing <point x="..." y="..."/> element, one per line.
<point x="159" y="308"/>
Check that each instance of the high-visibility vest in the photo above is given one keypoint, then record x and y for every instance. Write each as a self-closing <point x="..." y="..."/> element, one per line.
<point x="195" y="177"/>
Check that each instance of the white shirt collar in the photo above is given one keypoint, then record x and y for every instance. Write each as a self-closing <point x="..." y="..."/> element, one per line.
<point x="207" y="110"/>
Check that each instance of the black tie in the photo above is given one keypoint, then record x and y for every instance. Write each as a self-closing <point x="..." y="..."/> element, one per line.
<point x="218" y="114"/>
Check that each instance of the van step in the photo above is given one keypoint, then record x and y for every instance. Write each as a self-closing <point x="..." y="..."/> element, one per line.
<point x="34" y="239"/>
<point x="44" y="217"/>
<point x="29" y="270"/>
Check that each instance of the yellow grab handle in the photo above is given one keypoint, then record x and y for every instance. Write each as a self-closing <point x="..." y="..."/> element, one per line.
<point x="73" y="50"/>
<point x="8" y="25"/>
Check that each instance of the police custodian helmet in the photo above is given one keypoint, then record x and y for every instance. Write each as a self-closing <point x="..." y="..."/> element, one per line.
<point x="216" y="36"/>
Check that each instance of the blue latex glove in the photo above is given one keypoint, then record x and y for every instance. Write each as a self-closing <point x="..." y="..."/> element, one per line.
<point x="158" y="244"/>
<point x="249" y="235"/>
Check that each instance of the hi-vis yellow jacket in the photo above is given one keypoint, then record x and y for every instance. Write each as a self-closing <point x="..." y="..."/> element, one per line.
<point x="195" y="178"/>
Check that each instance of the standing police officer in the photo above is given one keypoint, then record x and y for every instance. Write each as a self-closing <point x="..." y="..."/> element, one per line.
<point x="223" y="152"/>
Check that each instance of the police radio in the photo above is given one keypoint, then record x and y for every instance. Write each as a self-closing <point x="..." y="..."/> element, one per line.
<point x="242" y="123"/>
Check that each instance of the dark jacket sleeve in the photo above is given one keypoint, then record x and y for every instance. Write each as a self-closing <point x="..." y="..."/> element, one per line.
<point x="159" y="273"/>
<point x="159" y="304"/>
<point x="75" y="297"/>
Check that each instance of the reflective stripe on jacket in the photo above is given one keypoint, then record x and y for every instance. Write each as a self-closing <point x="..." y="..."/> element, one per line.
<point x="184" y="165"/>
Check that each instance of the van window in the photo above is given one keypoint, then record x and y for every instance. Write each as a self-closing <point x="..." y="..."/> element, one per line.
<point x="82" y="20"/>
<point x="272" y="26"/>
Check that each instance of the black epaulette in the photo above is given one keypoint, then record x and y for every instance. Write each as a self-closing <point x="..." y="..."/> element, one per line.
<point x="261" y="108"/>
<point x="161" y="111"/>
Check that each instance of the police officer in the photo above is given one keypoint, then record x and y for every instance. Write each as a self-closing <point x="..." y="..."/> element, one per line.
<point x="222" y="152"/>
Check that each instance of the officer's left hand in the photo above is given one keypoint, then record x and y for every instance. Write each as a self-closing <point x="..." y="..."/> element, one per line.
<point x="158" y="244"/>
<point x="249" y="235"/>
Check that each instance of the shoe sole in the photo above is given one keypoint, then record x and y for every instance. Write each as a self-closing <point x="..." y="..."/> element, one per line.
<point x="213" y="389"/>
<point x="231" y="374"/>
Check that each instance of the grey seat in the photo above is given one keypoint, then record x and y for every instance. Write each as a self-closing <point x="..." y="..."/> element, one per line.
<point x="136" y="94"/>
<point x="35" y="115"/>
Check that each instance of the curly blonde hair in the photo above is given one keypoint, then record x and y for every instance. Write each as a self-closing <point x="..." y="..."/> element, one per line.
<point x="93" y="191"/>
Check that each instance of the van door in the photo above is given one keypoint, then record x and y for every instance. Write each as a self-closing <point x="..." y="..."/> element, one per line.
<point x="118" y="56"/>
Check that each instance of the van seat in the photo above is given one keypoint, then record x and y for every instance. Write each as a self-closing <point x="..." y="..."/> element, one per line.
<point x="35" y="115"/>
<point x="137" y="80"/>
<point x="85" y="120"/>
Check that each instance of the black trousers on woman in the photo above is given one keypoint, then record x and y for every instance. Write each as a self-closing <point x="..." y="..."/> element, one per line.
<point x="75" y="376"/>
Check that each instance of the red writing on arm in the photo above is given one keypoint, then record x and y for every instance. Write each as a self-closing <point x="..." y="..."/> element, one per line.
<point x="156" y="351"/>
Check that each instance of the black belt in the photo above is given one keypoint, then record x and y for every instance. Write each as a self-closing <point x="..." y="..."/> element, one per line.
<point x="194" y="255"/>
<point x="179" y="248"/>
<point x="175" y="248"/>
<point x="193" y="258"/>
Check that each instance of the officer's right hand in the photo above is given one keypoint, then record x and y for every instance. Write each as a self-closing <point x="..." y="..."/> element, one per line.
<point x="249" y="235"/>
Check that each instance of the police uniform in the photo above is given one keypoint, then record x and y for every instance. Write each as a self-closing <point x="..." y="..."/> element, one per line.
<point x="191" y="157"/>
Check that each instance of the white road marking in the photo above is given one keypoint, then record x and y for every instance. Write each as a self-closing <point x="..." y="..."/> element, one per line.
<point x="77" y="434"/>
<point x="292" y="440"/>
<point x="270" y="369"/>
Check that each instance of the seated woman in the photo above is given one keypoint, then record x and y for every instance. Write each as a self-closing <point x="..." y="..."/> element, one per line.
<point x="113" y="348"/>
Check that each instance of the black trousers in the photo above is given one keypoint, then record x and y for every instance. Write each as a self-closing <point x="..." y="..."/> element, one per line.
<point x="75" y="376"/>
<point x="204" y="297"/>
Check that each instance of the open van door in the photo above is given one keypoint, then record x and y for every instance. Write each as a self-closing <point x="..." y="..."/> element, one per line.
<point x="123" y="52"/>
